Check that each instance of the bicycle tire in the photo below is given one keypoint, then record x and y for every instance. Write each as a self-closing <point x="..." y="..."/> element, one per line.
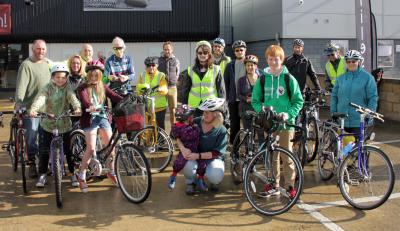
<point x="238" y="152"/>
<point x="57" y="174"/>
<point x="22" y="151"/>
<point x="130" y="162"/>
<point x="364" y="192"/>
<point x="299" y="148"/>
<point x="313" y="135"/>
<point x="327" y="152"/>
<point x="255" y="182"/>
<point x="77" y="146"/>
<point x="158" y="151"/>
<point x="12" y="146"/>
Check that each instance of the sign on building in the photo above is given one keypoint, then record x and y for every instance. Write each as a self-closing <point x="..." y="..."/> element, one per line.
<point x="5" y="19"/>
<point x="127" y="5"/>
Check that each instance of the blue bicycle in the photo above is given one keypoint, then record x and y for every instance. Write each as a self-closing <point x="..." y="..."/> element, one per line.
<point x="365" y="174"/>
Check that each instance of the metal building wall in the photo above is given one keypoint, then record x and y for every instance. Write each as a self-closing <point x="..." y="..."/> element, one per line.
<point x="65" y="21"/>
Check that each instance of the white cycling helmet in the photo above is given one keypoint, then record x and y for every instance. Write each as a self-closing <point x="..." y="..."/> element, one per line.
<point x="212" y="104"/>
<point x="59" y="67"/>
<point x="353" y="54"/>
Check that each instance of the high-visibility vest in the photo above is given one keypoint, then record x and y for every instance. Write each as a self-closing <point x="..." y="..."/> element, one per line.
<point x="202" y="89"/>
<point x="223" y="64"/>
<point x="160" y="100"/>
<point x="332" y="73"/>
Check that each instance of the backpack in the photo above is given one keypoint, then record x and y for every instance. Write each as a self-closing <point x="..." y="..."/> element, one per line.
<point x="287" y="79"/>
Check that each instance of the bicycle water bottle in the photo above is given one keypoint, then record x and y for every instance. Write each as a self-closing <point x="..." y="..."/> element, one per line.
<point x="346" y="150"/>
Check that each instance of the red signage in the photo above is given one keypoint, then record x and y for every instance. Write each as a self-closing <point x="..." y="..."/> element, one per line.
<point x="5" y="19"/>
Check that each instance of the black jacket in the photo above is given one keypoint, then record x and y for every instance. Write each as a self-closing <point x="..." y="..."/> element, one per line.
<point x="300" y="66"/>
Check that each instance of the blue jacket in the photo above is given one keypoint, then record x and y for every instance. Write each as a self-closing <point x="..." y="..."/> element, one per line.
<point x="357" y="87"/>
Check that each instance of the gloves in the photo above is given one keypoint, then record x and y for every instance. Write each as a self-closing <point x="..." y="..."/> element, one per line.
<point x="283" y="116"/>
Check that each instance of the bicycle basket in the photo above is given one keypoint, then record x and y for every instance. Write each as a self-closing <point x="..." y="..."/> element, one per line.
<point x="129" y="115"/>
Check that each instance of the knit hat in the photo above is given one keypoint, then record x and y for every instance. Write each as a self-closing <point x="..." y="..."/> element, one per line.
<point x="203" y="43"/>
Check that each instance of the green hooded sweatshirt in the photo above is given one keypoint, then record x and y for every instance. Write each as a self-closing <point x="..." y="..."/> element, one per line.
<point x="276" y="94"/>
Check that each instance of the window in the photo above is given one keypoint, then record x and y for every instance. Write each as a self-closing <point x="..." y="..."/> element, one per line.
<point x="385" y="53"/>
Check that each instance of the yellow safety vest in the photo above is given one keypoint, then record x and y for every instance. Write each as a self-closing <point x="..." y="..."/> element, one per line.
<point x="332" y="73"/>
<point x="223" y="64"/>
<point x="160" y="100"/>
<point x="202" y="89"/>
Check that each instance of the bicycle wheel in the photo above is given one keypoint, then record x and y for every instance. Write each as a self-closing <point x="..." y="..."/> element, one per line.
<point x="77" y="146"/>
<point x="133" y="173"/>
<point x="366" y="183"/>
<point x="11" y="146"/>
<point x="238" y="153"/>
<point x="157" y="147"/>
<point x="56" y="155"/>
<point x="22" y="150"/>
<point x="327" y="151"/>
<point x="299" y="148"/>
<point x="261" y="173"/>
<point x="312" y="139"/>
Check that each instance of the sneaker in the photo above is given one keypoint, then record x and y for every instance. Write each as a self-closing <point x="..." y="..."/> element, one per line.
<point x="201" y="185"/>
<point x="171" y="182"/>
<point x="269" y="190"/>
<point x="113" y="178"/>
<point x="74" y="181"/>
<point x="32" y="170"/>
<point x="42" y="181"/>
<point x="292" y="192"/>
<point x="190" y="189"/>
<point x="82" y="183"/>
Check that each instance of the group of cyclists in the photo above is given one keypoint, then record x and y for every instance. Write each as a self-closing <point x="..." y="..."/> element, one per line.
<point x="215" y="88"/>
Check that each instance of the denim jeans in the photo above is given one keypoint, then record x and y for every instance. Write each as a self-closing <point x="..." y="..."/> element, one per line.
<point x="31" y="135"/>
<point x="214" y="171"/>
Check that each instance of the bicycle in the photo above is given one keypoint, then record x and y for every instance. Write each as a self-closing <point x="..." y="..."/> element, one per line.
<point x="17" y="146"/>
<point x="56" y="154"/>
<point x="261" y="172"/>
<point x="10" y="146"/>
<point x="357" y="170"/>
<point x="306" y="140"/>
<point x="153" y="140"/>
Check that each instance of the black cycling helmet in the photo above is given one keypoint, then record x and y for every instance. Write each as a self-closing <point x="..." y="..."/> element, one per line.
<point x="298" y="42"/>
<point x="238" y="43"/>
<point x="151" y="60"/>
<point x="183" y="112"/>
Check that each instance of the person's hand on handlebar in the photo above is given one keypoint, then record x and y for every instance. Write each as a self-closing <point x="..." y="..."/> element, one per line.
<point x="91" y="109"/>
<point x="33" y="113"/>
<point x="123" y="78"/>
<point x="283" y="116"/>
<point x="77" y="112"/>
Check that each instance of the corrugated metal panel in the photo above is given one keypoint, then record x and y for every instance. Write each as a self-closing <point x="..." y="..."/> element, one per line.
<point x="65" y="20"/>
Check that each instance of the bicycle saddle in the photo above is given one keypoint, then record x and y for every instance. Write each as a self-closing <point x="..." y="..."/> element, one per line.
<point x="336" y="116"/>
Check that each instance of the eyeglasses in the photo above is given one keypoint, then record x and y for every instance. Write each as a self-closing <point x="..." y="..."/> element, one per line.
<point x="239" y="50"/>
<point x="351" y="61"/>
<point x="117" y="48"/>
<point x="203" y="53"/>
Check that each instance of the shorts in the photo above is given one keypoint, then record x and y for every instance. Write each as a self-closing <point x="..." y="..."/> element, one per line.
<point x="172" y="97"/>
<point x="98" y="122"/>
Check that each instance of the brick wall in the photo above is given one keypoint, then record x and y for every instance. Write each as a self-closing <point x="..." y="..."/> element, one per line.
<point x="389" y="99"/>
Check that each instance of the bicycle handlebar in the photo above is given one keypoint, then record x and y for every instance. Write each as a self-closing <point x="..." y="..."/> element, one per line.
<point x="52" y="117"/>
<point x="366" y="111"/>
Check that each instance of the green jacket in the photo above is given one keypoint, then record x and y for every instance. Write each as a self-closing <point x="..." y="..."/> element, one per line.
<point x="57" y="101"/>
<point x="276" y="95"/>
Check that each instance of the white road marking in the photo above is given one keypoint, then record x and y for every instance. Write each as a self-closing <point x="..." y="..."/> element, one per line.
<point x="317" y="215"/>
<point x="386" y="142"/>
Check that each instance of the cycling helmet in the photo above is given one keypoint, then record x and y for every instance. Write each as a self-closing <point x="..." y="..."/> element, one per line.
<point x="203" y="43"/>
<point x="59" y="67"/>
<point x="95" y="66"/>
<point x="266" y="119"/>
<point x="298" y="42"/>
<point x="238" y="43"/>
<point x="251" y="58"/>
<point x="151" y="60"/>
<point x="353" y="54"/>
<point x="183" y="112"/>
<point x="212" y="104"/>
<point x="331" y="48"/>
<point x="219" y="41"/>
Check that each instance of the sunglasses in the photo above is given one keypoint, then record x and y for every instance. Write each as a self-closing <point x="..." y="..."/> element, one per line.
<point x="351" y="61"/>
<point x="203" y="53"/>
<point x="239" y="50"/>
<point x="151" y="65"/>
<point x="117" y="48"/>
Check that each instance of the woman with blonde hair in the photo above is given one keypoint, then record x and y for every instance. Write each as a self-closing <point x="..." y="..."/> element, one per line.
<point x="76" y="67"/>
<point x="93" y="95"/>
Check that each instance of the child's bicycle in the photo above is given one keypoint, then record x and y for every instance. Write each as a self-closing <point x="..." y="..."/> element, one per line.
<point x="261" y="172"/>
<point x="365" y="174"/>
<point x="17" y="146"/>
<point x="153" y="140"/>
<point x="57" y="154"/>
